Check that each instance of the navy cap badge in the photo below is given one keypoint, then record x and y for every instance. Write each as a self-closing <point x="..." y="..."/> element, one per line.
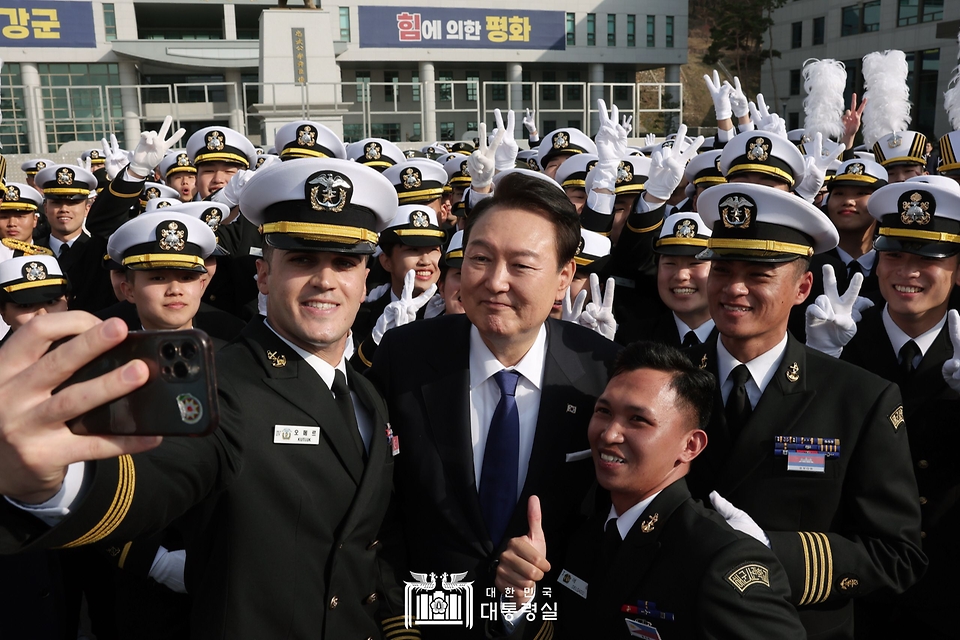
<point x="411" y="178"/>
<point x="41" y="165"/>
<point x="793" y="372"/>
<point x="12" y="195"/>
<point x="372" y="151"/>
<point x="171" y="237"/>
<point x="212" y="217"/>
<point x="561" y="140"/>
<point x="215" y="141"/>
<point x="306" y="136"/>
<point x="329" y="191"/>
<point x="856" y="169"/>
<point x="152" y="193"/>
<point x="685" y="228"/>
<point x="183" y="160"/>
<point x="649" y="524"/>
<point x="532" y="163"/>
<point x="34" y="271"/>
<point x="736" y="211"/>
<point x="624" y="172"/>
<point x="915" y="209"/>
<point x="419" y="219"/>
<point x="65" y="176"/>
<point x="759" y="150"/>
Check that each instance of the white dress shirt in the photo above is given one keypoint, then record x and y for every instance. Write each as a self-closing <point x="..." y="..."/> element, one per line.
<point x="55" y="244"/>
<point x="485" y="395"/>
<point x="898" y="338"/>
<point x="867" y="260"/>
<point x="628" y="518"/>
<point x="762" y="369"/>
<point x="702" y="332"/>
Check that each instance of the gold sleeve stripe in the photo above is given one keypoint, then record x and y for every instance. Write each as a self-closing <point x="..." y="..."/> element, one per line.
<point x="546" y="632"/>
<point x="646" y="229"/>
<point x="118" y="510"/>
<point x="135" y="194"/>
<point x="123" y="554"/>
<point x="364" y="360"/>
<point x="818" y="567"/>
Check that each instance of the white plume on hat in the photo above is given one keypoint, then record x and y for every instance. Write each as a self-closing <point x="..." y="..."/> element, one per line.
<point x="824" y="82"/>
<point x="951" y="97"/>
<point x="887" y="95"/>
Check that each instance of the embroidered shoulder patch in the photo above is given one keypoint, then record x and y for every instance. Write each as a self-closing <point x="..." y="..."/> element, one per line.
<point x="896" y="418"/>
<point x="747" y="575"/>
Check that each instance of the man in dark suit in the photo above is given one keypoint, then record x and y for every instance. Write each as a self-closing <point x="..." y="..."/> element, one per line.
<point x="651" y="561"/>
<point x="302" y="523"/>
<point x="492" y="406"/>
<point x="814" y="452"/>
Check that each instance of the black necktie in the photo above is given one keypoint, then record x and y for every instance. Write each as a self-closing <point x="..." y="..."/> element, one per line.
<point x="691" y="339"/>
<point x="738" y="407"/>
<point x="501" y="459"/>
<point x="341" y="393"/>
<point x="854" y="267"/>
<point x="611" y="542"/>
<point x="64" y="250"/>
<point x="908" y="353"/>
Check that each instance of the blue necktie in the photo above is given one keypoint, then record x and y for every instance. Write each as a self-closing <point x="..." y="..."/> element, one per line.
<point x="501" y="459"/>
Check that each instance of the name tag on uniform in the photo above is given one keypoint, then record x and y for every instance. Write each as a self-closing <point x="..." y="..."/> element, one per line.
<point x="809" y="462"/>
<point x="293" y="434"/>
<point x="573" y="583"/>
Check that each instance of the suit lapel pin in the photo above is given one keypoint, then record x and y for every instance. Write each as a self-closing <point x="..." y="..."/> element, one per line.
<point x="649" y="523"/>
<point x="793" y="372"/>
<point x="703" y="362"/>
<point x="571" y="408"/>
<point x="277" y="360"/>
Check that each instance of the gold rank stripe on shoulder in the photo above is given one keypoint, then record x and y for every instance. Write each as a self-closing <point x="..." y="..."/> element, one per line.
<point x="818" y="567"/>
<point x="395" y="629"/>
<point x="119" y="508"/>
<point x="546" y="632"/>
<point x="26" y="247"/>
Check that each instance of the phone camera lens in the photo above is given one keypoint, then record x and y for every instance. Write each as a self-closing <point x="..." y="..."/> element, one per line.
<point x="180" y="370"/>
<point x="168" y="351"/>
<point x="166" y="371"/>
<point x="188" y="350"/>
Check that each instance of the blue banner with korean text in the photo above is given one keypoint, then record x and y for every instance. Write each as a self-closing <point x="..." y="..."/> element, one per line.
<point x="431" y="27"/>
<point x="46" y="23"/>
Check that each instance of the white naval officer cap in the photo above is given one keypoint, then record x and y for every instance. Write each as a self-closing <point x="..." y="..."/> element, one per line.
<point x="165" y="239"/>
<point x="682" y="234"/>
<point x="308" y="139"/>
<point x="29" y="279"/>
<point x="221" y="144"/>
<point x="417" y="181"/>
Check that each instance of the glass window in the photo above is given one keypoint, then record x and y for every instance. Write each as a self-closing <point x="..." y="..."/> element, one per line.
<point x="932" y="10"/>
<point x="631" y="30"/>
<point x="796" y="37"/>
<point x="914" y="11"/>
<point x="416" y="132"/>
<point x="571" y="29"/>
<point x="109" y="21"/>
<point x="651" y="31"/>
<point x="669" y="31"/>
<point x="72" y="112"/>
<point x="793" y="120"/>
<point x="527" y="93"/>
<point x="549" y="91"/>
<point x="794" y="84"/>
<point x="549" y="125"/>
<point x="415" y="79"/>
<point x="573" y="91"/>
<point x="13" y="129"/>
<point x="611" y="29"/>
<point x="473" y="85"/>
<point x="444" y="91"/>
<point x="447" y="131"/>
<point x="591" y="29"/>
<point x="850" y="22"/>
<point x="386" y="130"/>
<point x="389" y="92"/>
<point x="871" y="16"/>
<point x="344" y="24"/>
<point x="363" y="86"/>
<point x="621" y="94"/>
<point x="352" y="132"/>
<point x="498" y="91"/>
<point x="819" y="29"/>
<point x="575" y="124"/>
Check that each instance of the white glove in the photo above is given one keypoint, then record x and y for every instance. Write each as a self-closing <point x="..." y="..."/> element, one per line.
<point x="167" y="569"/>
<point x="115" y="157"/>
<point x="377" y="293"/>
<point x="482" y="163"/>
<point x="530" y="124"/>
<point x="403" y="311"/>
<point x="738" y="101"/>
<point x="506" y="156"/>
<point x="611" y="139"/>
<point x="152" y="147"/>
<point x="832" y="319"/>
<point x="85" y="164"/>
<point x="667" y="165"/>
<point x="951" y="368"/>
<point x="766" y="121"/>
<point x="435" y="307"/>
<point x="230" y="194"/>
<point x="720" y="92"/>
<point x="627" y="123"/>
<point x="649" y="139"/>
<point x="738" y="518"/>
<point x="598" y="314"/>
<point x="815" y="167"/>
<point x="571" y="311"/>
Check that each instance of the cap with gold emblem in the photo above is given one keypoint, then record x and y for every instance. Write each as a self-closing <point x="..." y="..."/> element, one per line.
<point x="162" y="240"/>
<point x="858" y="173"/>
<point x="32" y="279"/>
<point x="757" y="223"/>
<point x="901" y="147"/>
<point x="632" y="174"/>
<point x="154" y="190"/>
<point x="376" y="153"/>
<point x="161" y="203"/>
<point x="917" y="217"/>
<point x="319" y="204"/>
<point x="176" y="161"/>
<point x="21" y="198"/>
<point x="453" y="254"/>
<point x="831" y="171"/>
<point x="413" y="225"/>
<point x="417" y="181"/>
<point x="95" y="156"/>
<point x="410" y="154"/>
<point x="682" y="234"/>
<point x="66" y="182"/>
<point x="704" y="170"/>
<point x="462" y="147"/>
<point x="568" y="141"/>
<point x="593" y="252"/>
<point x="527" y="159"/>
<point x="31" y="167"/>
<point x="308" y="139"/>
<point x="221" y="144"/>
<point x="573" y="172"/>
<point x="763" y="153"/>
<point x="210" y="213"/>
<point x="434" y="151"/>
<point x="457" y="172"/>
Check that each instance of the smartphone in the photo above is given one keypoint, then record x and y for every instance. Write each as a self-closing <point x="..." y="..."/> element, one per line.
<point x="179" y="398"/>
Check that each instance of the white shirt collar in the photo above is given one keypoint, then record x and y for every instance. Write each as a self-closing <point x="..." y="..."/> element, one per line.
<point x="898" y="338"/>
<point x="762" y="368"/>
<point x="866" y="261"/>
<point x="629" y="517"/>
<point x="56" y="243"/>
<point x="702" y="332"/>
<point x="484" y="364"/>
<point x="318" y="364"/>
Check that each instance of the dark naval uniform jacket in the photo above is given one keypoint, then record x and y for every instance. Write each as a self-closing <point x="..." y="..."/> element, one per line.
<point x="662" y="329"/>
<point x="680" y="570"/>
<point x="931" y="410"/>
<point x="849" y="531"/>
<point x="423" y="370"/>
<point x="293" y="548"/>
